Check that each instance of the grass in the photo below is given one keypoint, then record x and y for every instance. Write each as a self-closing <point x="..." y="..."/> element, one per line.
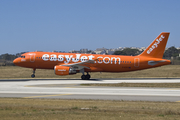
<point x="20" y="109"/>
<point x="169" y="71"/>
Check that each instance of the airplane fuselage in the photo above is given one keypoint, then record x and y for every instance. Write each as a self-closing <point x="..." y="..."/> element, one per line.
<point x="102" y="63"/>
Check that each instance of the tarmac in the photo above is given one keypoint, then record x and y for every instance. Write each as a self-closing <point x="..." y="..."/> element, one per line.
<point x="71" y="89"/>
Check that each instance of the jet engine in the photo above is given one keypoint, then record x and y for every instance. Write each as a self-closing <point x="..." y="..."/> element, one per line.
<point x="63" y="70"/>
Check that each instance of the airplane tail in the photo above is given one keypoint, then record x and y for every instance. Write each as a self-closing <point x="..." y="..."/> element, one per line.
<point x="157" y="47"/>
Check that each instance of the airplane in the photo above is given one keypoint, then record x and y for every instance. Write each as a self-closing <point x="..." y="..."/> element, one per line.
<point x="72" y="63"/>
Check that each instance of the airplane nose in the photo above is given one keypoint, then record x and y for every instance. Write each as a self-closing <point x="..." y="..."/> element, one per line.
<point x="16" y="61"/>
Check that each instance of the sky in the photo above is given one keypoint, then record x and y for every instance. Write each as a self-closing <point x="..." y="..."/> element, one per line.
<point x="64" y="25"/>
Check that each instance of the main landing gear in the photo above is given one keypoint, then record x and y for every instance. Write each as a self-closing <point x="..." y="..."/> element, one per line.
<point x="85" y="77"/>
<point x="33" y="75"/>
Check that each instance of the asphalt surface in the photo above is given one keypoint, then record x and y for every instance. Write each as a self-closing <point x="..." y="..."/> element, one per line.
<point x="71" y="89"/>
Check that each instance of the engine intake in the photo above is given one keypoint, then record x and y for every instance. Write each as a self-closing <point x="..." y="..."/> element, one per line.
<point x="63" y="70"/>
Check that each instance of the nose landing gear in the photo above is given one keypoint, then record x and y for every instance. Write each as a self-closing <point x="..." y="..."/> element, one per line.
<point x="33" y="75"/>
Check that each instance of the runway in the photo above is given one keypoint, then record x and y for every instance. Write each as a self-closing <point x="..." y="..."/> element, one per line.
<point x="71" y="89"/>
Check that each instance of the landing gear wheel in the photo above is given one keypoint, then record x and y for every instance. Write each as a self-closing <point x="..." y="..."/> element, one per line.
<point x="32" y="75"/>
<point x="88" y="77"/>
<point x="83" y="77"/>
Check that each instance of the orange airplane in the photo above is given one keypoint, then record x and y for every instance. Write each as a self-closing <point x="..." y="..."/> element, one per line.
<point x="72" y="63"/>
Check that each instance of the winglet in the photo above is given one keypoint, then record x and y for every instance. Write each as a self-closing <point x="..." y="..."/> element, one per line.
<point x="157" y="47"/>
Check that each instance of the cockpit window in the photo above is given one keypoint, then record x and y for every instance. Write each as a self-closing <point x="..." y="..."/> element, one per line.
<point x="22" y="56"/>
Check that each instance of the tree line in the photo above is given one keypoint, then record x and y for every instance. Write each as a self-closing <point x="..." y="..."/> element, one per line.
<point x="168" y="54"/>
<point x="7" y="59"/>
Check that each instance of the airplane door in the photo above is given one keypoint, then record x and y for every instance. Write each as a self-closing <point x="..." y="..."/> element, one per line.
<point x="32" y="57"/>
<point x="136" y="62"/>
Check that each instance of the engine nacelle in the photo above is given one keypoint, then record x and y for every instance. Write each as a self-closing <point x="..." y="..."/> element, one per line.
<point x="63" y="70"/>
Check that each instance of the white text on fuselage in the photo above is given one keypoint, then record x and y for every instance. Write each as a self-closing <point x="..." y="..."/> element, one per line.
<point x="78" y="58"/>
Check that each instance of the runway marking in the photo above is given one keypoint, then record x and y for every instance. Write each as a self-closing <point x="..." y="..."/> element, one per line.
<point x="174" y="89"/>
<point x="62" y="86"/>
<point x="46" y="95"/>
<point x="79" y="87"/>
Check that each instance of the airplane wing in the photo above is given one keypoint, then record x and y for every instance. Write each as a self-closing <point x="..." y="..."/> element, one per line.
<point x="80" y="65"/>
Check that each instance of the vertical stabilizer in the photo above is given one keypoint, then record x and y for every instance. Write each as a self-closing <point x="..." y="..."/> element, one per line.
<point x="157" y="47"/>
